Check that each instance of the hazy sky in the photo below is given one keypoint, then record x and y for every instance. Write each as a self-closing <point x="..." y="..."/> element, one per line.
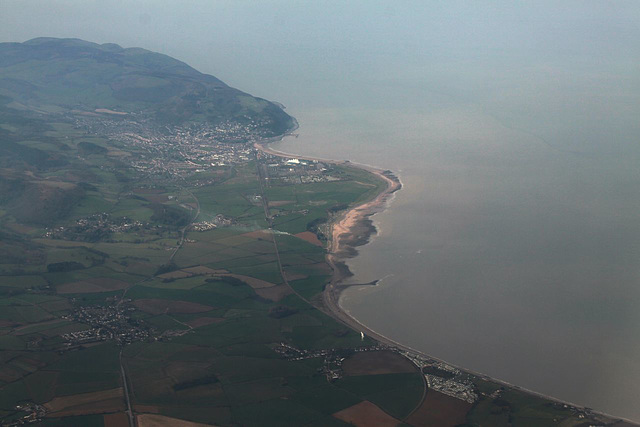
<point x="403" y="55"/>
<point x="242" y="41"/>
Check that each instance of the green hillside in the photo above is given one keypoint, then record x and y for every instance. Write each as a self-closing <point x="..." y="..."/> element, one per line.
<point x="52" y="75"/>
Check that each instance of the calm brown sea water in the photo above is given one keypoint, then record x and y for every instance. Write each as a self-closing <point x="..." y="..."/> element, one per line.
<point x="514" y="247"/>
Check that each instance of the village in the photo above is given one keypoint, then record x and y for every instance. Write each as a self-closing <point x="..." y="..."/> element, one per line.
<point x="97" y="227"/>
<point x="450" y="381"/>
<point x="333" y="358"/>
<point x="443" y="377"/>
<point x="26" y="413"/>
<point x="110" y="322"/>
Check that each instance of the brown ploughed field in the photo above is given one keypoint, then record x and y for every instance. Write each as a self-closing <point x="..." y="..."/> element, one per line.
<point x="119" y="419"/>
<point x="366" y="414"/>
<point x="87" y="403"/>
<point x="153" y="420"/>
<point x="274" y="293"/>
<point x="440" y="410"/>
<point x="309" y="237"/>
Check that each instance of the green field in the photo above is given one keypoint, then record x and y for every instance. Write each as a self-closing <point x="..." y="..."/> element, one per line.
<point x="233" y="350"/>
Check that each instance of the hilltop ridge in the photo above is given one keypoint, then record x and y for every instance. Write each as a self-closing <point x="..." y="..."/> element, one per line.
<point x="52" y="74"/>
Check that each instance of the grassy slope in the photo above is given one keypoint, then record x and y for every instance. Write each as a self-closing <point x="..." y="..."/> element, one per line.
<point x="50" y="74"/>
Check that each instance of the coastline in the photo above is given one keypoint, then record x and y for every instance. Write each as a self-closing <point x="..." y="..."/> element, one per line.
<point x="353" y="228"/>
<point x="348" y="230"/>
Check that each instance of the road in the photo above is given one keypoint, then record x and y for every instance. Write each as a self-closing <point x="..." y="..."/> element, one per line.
<point x="125" y="385"/>
<point x="265" y="205"/>
<point x="186" y="227"/>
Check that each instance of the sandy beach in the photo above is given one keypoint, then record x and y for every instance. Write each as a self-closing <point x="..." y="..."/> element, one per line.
<point x="350" y="229"/>
<point x="353" y="227"/>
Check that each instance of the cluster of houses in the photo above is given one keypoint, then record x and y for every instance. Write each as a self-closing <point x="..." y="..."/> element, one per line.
<point x="111" y="322"/>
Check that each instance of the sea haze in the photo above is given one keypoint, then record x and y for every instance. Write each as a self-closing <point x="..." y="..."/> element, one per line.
<point x="514" y="247"/>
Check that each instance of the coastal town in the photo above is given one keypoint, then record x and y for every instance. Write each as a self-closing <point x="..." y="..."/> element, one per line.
<point x="444" y="378"/>
<point x="201" y="153"/>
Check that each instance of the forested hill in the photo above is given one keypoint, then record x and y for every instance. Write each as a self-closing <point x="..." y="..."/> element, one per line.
<point x="51" y="75"/>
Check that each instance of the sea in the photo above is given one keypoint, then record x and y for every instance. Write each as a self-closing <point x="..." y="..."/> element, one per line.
<point x="513" y="248"/>
<point x="501" y="254"/>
